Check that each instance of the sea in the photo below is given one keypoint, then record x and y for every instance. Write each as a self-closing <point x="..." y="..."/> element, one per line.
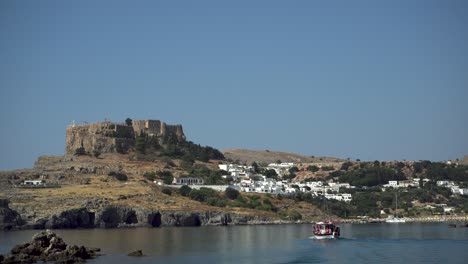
<point x="359" y="243"/>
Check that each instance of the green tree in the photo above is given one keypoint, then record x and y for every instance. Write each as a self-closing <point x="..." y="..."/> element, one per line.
<point x="327" y="168"/>
<point x="140" y="144"/>
<point x="271" y="173"/>
<point x="255" y="166"/>
<point x="166" y="176"/>
<point x="313" y="168"/>
<point x="151" y="176"/>
<point x="293" y="169"/>
<point x="118" y="175"/>
<point x="185" y="190"/>
<point x="345" y="166"/>
<point x="128" y="121"/>
<point x="231" y="193"/>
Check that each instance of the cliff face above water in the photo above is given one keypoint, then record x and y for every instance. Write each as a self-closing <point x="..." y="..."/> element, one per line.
<point x="8" y="217"/>
<point x="108" y="137"/>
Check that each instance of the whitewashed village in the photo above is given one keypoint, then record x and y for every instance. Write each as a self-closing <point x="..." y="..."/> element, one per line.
<point x="245" y="179"/>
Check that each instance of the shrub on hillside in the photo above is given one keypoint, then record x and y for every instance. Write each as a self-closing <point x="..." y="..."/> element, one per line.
<point x="345" y="166"/>
<point x="290" y="215"/>
<point x="203" y="194"/>
<point x="216" y="202"/>
<point x="80" y="151"/>
<point x="231" y="193"/>
<point x="327" y="168"/>
<point x="185" y="190"/>
<point x="166" y="176"/>
<point x="118" y="175"/>
<point x="151" y="176"/>
<point x="167" y="191"/>
<point x="313" y="168"/>
<point x="96" y="153"/>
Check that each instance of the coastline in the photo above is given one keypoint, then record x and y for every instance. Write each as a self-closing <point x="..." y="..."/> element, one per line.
<point x="428" y="219"/>
<point x="449" y="220"/>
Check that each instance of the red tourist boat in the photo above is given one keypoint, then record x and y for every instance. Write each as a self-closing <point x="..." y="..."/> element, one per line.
<point x="326" y="230"/>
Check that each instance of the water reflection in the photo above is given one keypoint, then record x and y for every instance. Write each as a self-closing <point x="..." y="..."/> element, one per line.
<point x="385" y="243"/>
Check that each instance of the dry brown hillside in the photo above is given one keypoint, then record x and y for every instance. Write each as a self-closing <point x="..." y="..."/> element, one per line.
<point x="267" y="156"/>
<point x="85" y="182"/>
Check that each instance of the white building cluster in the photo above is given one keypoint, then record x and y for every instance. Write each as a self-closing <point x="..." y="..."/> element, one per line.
<point x="237" y="171"/>
<point x="415" y="183"/>
<point x="280" y="168"/>
<point x="272" y="186"/>
<point x="453" y="187"/>
<point x="316" y="188"/>
<point x="404" y="184"/>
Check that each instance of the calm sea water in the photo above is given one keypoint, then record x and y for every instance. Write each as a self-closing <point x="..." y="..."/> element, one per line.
<point x="371" y="243"/>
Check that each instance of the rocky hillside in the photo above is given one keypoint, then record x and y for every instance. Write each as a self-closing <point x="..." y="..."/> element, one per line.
<point x="268" y="156"/>
<point x="90" y="196"/>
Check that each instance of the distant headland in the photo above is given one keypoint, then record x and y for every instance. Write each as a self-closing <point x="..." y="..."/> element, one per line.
<point x="146" y="173"/>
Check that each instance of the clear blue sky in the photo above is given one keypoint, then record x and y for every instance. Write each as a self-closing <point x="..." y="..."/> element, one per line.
<point x="361" y="79"/>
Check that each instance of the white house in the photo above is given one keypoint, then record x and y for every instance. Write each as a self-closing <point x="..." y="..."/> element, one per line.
<point x="455" y="189"/>
<point x="188" y="181"/>
<point x="347" y="197"/>
<point x="33" y="183"/>
<point x="223" y="167"/>
<point x="444" y="183"/>
<point x="448" y="209"/>
<point x="393" y="183"/>
<point x="291" y="190"/>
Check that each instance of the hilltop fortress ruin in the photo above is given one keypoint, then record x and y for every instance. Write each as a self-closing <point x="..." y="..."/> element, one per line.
<point x="108" y="137"/>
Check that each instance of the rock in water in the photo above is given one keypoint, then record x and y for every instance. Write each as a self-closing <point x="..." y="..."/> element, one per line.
<point x="46" y="246"/>
<point x="136" y="253"/>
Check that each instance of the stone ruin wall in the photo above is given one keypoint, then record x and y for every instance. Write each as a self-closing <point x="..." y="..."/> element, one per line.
<point x="104" y="137"/>
<point x="465" y="160"/>
<point x="157" y="128"/>
<point x="177" y="131"/>
<point x="107" y="137"/>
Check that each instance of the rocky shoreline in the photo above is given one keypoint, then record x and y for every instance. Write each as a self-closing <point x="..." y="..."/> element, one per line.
<point x="433" y="219"/>
<point x="113" y="216"/>
<point x="46" y="246"/>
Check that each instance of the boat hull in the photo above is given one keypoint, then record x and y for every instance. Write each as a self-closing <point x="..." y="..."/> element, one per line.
<point x="325" y="237"/>
<point x="394" y="220"/>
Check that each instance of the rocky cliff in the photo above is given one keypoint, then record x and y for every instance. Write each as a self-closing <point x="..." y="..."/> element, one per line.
<point x="8" y="217"/>
<point x="104" y="137"/>
<point x="108" y="137"/>
<point x="122" y="216"/>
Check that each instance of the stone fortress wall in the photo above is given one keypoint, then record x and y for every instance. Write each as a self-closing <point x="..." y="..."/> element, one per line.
<point x="109" y="137"/>
<point x="157" y="128"/>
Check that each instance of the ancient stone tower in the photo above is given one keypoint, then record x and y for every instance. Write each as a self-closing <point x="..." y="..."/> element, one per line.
<point x="158" y="128"/>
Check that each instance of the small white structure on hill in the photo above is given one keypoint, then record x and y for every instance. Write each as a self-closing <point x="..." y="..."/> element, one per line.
<point x="188" y="181"/>
<point x="280" y="168"/>
<point x="33" y="183"/>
